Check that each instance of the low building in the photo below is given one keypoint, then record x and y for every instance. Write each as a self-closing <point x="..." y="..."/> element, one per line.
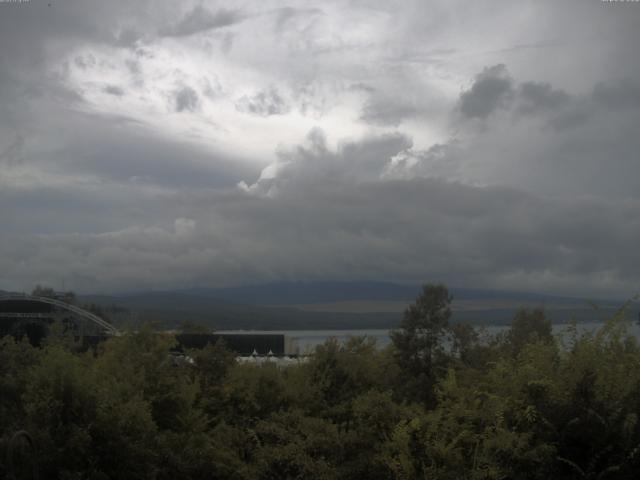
<point x="243" y="344"/>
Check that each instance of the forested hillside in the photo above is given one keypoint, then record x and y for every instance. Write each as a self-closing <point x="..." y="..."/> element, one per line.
<point x="441" y="402"/>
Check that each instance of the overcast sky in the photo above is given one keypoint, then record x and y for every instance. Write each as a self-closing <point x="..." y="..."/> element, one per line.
<point x="165" y="144"/>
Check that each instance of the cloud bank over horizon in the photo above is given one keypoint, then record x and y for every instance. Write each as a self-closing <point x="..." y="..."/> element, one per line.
<point x="156" y="145"/>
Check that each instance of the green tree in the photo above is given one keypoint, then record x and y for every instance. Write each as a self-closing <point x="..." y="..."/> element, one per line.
<point x="85" y="423"/>
<point x="418" y="341"/>
<point x="292" y="445"/>
<point x="189" y="326"/>
<point x="528" y="326"/>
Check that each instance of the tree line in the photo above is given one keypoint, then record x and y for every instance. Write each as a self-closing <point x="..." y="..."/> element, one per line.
<point x="442" y="401"/>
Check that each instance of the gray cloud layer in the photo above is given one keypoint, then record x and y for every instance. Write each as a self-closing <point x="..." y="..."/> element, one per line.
<point x="201" y="19"/>
<point x="491" y="89"/>
<point x="166" y="144"/>
<point x="422" y="229"/>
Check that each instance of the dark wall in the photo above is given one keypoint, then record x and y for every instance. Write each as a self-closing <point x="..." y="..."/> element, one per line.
<point x="24" y="306"/>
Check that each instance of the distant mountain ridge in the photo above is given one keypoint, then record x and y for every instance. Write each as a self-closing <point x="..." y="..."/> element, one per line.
<point x="331" y="305"/>
<point x="291" y="293"/>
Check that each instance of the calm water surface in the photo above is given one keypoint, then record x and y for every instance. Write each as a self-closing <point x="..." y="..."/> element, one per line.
<point x="307" y="340"/>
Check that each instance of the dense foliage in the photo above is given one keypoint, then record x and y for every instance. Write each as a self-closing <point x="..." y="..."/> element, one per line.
<point x="442" y="402"/>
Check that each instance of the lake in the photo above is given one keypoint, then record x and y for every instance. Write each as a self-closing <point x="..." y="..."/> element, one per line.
<point x="307" y="340"/>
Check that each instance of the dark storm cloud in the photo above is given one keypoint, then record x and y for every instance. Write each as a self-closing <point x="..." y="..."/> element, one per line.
<point x="186" y="99"/>
<point x="428" y="226"/>
<point x="363" y="87"/>
<point x="127" y="37"/>
<point x="491" y="89"/>
<point x="313" y="162"/>
<point x="549" y="141"/>
<point x="410" y="230"/>
<point x="535" y="96"/>
<point x="201" y="19"/>
<point x="495" y="89"/>
<point x="265" y="103"/>
<point x="114" y="90"/>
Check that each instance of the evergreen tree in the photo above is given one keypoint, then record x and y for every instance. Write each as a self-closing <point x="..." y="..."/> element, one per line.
<point x="418" y="341"/>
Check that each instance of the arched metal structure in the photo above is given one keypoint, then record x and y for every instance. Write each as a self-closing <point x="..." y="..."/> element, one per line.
<point x="108" y="328"/>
